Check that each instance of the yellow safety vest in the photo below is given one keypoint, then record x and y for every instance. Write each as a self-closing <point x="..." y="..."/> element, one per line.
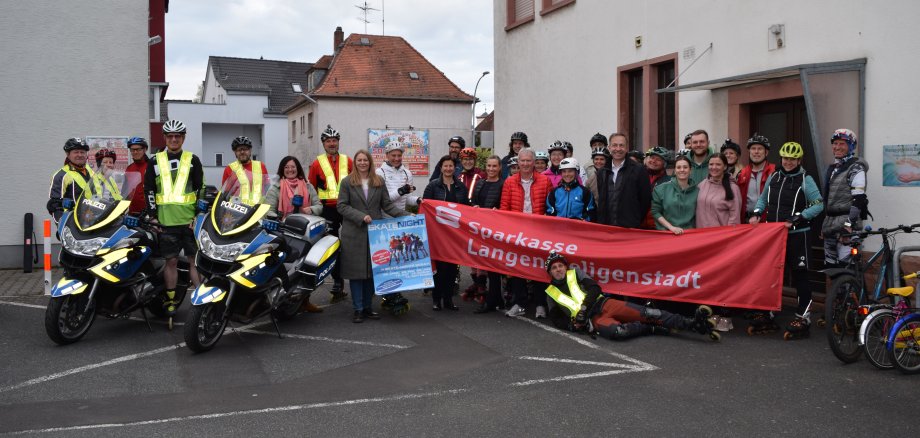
<point x="332" y="185"/>
<point x="249" y="196"/>
<point x="99" y="179"/>
<point x="573" y="301"/>
<point x="173" y="192"/>
<point x="75" y="177"/>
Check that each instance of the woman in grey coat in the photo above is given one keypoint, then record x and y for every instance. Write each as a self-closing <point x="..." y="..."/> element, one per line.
<point x="363" y="197"/>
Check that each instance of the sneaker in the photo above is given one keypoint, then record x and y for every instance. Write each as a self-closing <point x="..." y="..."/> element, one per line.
<point x="541" y="312"/>
<point x="515" y="311"/>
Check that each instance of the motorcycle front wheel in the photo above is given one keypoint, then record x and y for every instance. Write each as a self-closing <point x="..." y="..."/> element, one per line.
<point x="68" y="318"/>
<point x="205" y="326"/>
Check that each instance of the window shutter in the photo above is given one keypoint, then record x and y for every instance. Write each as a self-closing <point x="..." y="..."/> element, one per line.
<point x="523" y="9"/>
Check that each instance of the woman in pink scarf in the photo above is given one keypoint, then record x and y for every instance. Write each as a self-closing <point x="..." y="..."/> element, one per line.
<point x="291" y="181"/>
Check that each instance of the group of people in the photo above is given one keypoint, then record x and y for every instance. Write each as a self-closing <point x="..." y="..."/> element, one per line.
<point x="651" y="190"/>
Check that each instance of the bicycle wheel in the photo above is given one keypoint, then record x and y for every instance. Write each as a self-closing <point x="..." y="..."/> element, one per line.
<point x="905" y="352"/>
<point x="841" y="313"/>
<point x="877" y="327"/>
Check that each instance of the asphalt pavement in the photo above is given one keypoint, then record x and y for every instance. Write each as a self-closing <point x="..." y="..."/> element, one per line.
<point x="431" y="373"/>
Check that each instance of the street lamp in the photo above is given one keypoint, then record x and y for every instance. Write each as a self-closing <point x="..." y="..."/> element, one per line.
<point x="473" y="110"/>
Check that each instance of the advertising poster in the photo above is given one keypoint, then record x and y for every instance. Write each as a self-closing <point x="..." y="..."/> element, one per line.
<point x="116" y="143"/>
<point x="901" y="165"/>
<point x="415" y="144"/>
<point x="399" y="254"/>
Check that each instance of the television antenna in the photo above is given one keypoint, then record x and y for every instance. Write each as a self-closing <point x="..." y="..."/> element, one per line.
<point x="364" y="9"/>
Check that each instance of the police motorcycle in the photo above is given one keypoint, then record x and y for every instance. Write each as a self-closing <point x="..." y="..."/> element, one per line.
<point x="109" y="260"/>
<point x="254" y="266"/>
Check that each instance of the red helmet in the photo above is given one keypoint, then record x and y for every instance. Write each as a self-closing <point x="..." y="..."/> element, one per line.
<point x="468" y="153"/>
<point x="103" y="153"/>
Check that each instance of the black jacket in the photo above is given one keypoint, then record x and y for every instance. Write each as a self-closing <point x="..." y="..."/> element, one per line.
<point x="560" y="315"/>
<point x="437" y="191"/>
<point x="491" y="198"/>
<point x="634" y="197"/>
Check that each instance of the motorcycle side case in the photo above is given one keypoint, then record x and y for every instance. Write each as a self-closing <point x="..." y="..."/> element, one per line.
<point x="318" y="263"/>
<point x="305" y="226"/>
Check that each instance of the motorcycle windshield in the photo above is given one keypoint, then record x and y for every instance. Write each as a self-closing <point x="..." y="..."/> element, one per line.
<point x="238" y="206"/>
<point x="107" y="196"/>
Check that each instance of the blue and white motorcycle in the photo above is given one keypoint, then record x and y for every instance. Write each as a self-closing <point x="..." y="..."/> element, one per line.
<point x="109" y="261"/>
<point x="253" y="267"/>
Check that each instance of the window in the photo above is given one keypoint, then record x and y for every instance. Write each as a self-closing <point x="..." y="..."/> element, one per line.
<point x="301" y="125"/>
<point x="310" y="125"/>
<point x="293" y="131"/>
<point x="552" y="5"/>
<point x="519" y="12"/>
<point x="219" y="160"/>
<point x="649" y="118"/>
<point x="153" y="103"/>
<point x="296" y="87"/>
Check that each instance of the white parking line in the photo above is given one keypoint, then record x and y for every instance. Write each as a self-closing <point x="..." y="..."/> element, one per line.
<point x="14" y="303"/>
<point x="324" y="339"/>
<point x="248" y="412"/>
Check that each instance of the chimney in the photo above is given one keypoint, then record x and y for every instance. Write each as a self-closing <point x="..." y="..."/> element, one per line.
<point x="337" y="37"/>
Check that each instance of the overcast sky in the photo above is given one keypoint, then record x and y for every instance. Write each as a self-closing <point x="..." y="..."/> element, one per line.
<point x="454" y="35"/>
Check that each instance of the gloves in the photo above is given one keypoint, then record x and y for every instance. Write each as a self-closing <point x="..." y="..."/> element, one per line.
<point x="405" y="190"/>
<point x="581" y="317"/>
<point x="862" y="203"/>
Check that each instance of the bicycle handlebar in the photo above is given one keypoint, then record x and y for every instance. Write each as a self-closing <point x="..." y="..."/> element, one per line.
<point x="882" y="231"/>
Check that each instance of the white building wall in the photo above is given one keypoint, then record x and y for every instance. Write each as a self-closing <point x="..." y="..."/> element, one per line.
<point x="61" y="77"/>
<point x="212" y="92"/>
<point x="556" y="77"/>
<point x="212" y="128"/>
<point x="353" y="117"/>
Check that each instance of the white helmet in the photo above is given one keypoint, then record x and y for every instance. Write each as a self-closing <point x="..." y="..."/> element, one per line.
<point x="394" y="146"/>
<point x="174" y="127"/>
<point x="541" y="155"/>
<point x="568" y="163"/>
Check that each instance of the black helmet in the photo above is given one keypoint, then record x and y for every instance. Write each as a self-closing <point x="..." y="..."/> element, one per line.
<point x="568" y="146"/>
<point x="520" y="136"/>
<point x="687" y="138"/>
<point x="638" y="155"/>
<point x="457" y="139"/>
<point x="556" y="146"/>
<point x="74" y="144"/>
<point x="105" y="153"/>
<point x="241" y="141"/>
<point x="329" y="133"/>
<point x="554" y="257"/>
<point x="598" y="138"/>
<point x="758" y="139"/>
<point x="729" y="144"/>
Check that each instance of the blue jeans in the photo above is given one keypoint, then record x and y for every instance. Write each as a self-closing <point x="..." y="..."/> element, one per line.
<point x="362" y="292"/>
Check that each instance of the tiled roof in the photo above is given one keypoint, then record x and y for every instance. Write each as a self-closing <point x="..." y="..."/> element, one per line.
<point x="487" y="123"/>
<point x="380" y="67"/>
<point x="323" y="63"/>
<point x="262" y="76"/>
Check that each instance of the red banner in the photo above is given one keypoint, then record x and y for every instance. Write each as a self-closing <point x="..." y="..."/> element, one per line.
<point x="735" y="266"/>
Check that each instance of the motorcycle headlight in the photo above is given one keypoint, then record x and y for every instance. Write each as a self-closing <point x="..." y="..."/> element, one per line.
<point x="86" y="247"/>
<point x="226" y="253"/>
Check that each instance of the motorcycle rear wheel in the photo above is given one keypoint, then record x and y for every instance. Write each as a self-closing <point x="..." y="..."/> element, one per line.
<point x="205" y="326"/>
<point x="68" y="318"/>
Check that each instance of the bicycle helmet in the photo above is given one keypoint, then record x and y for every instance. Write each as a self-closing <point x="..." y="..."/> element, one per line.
<point x="846" y="135"/>
<point x="241" y="141"/>
<point x="512" y="161"/>
<point x="394" y="146"/>
<point x="174" y="127"/>
<point x="104" y="153"/>
<point x="541" y="155"/>
<point x="598" y="138"/>
<point x="568" y="147"/>
<point x="468" y="153"/>
<point x="791" y="150"/>
<point x="556" y="146"/>
<point x="568" y="163"/>
<point x="554" y="257"/>
<point x="137" y="140"/>
<point x="329" y="133"/>
<point x="687" y="139"/>
<point x="661" y="152"/>
<point x="600" y="151"/>
<point x="758" y="139"/>
<point x="457" y="139"/>
<point x="729" y="144"/>
<point x="638" y="155"/>
<point x="75" y="143"/>
<point x="520" y="136"/>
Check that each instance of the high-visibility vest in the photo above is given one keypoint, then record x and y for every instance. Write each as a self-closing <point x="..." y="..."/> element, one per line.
<point x="173" y="191"/>
<point x="332" y="184"/>
<point x="249" y="195"/>
<point x="75" y="177"/>
<point x="99" y="179"/>
<point x="576" y="297"/>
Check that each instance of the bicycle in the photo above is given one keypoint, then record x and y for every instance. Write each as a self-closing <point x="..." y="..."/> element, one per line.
<point x="848" y="291"/>
<point x="874" y="332"/>
<point x="904" y="343"/>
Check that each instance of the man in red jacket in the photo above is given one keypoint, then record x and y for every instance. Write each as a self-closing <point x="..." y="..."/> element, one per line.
<point x="526" y="192"/>
<point x="134" y="173"/>
<point x="757" y="170"/>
